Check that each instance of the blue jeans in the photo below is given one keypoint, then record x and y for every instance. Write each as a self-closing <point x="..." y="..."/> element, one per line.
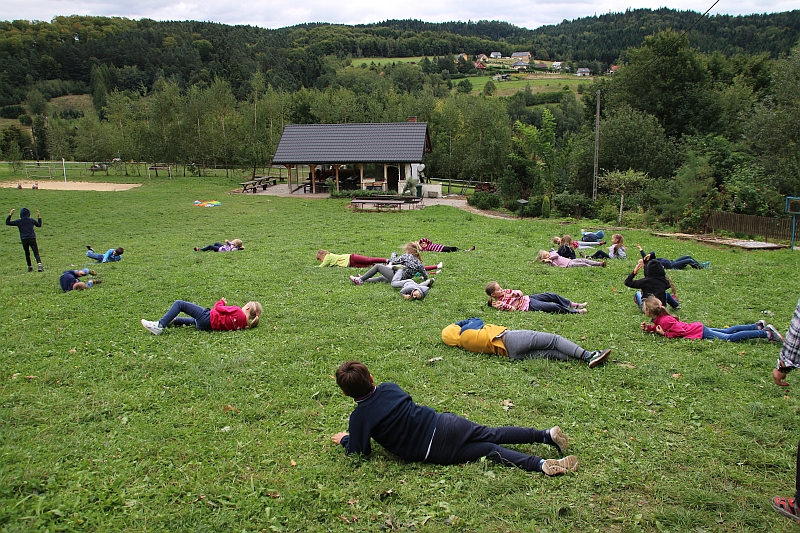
<point x="681" y="262"/>
<point x="200" y="316"/>
<point x="735" y="333"/>
<point x="671" y="301"/>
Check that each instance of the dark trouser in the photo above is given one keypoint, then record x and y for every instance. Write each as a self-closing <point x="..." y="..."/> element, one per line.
<point x="550" y="302"/>
<point x="360" y="261"/>
<point x="797" y="476"/>
<point x="681" y="262"/>
<point x="458" y="440"/>
<point x="28" y="245"/>
<point x="200" y="316"/>
<point x="211" y="247"/>
<point x="450" y="249"/>
<point x="600" y="254"/>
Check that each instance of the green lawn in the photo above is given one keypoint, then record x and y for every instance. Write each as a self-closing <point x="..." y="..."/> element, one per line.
<point x="105" y="427"/>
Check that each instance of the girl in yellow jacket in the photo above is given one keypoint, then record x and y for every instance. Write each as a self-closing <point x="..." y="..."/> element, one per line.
<point x="473" y="335"/>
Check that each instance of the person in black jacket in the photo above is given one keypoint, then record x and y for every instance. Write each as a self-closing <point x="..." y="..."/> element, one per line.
<point x="655" y="282"/>
<point x="413" y="432"/>
<point x="27" y="234"/>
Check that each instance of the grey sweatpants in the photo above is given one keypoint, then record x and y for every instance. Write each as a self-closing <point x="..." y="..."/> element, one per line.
<point x="387" y="274"/>
<point x="528" y="344"/>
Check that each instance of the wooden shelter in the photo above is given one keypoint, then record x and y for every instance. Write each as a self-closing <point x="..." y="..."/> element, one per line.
<point x="356" y="156"/>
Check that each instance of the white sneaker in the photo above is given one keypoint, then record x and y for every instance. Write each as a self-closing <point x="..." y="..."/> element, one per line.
<point x="440" y="265"/>
<point x="557" y="467"/>
<point x="152" y="327"/>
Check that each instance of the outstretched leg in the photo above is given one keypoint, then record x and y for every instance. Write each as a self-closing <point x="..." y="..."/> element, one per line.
<point x="528" y="344"/>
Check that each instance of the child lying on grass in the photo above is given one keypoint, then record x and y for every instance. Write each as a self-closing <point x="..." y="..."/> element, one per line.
<point x="222" y="317"/>
<point x="388" y="415"/>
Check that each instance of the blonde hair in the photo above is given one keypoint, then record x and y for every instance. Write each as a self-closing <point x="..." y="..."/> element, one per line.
<point x="618" y="242"/>
<point x="321" y="254"/>
<point x="412" y="248"/>
<point x="566" y="240"/>
<point x="543" y="256"/>
<point x="254" y="310"/>
<point x="557" y="240"/>
<point x="238" y="243"/>
<point x="652" y="307"/>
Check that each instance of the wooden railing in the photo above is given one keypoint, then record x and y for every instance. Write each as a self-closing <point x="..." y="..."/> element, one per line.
<point x="767" y="227"/>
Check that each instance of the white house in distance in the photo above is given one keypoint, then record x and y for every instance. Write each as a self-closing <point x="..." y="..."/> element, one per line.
<point x="495" y="55"/>
<point x="521" y="56"/>
<point x="583" y="72"/>
<point x="556" y="65"/>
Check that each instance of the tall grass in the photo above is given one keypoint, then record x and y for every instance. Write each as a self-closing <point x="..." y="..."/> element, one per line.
<point x="105" y="427"/>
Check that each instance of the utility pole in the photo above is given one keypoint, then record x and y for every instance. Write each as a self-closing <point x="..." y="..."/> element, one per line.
<point x="596" y="145"/>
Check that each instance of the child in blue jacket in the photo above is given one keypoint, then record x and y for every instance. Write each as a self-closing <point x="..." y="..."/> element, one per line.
<point x="112" y="255"/>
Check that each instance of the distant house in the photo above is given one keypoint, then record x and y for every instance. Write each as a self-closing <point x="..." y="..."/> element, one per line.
<point x="519" y="65"/>
<point x="583" y="72"/>
<point x="556" y="65"/>
<point x="495" y="55"/>
<point x="482" y="57"/>
<point x="521" y="56"/>
<point x="613" y="69"/>
<point x="541" y="65"/>
<point x="459" y="56"/>
<point x="480" y="66"/>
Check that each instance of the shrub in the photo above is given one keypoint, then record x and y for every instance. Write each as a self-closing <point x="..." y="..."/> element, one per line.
<point x="484" y="200"/>
<point x="11" y="111"/>
<point x="607" y="213"/>
<point x="25" y="120"/>
<point x="571" y="204"/>
<point x="546" y="207"/>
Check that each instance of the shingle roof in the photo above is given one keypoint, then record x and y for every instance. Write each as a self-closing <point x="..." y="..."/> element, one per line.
<point x="397" y="142"/>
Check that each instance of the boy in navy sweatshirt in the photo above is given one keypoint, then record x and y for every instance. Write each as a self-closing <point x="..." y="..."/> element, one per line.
<point x="413" y="432"/>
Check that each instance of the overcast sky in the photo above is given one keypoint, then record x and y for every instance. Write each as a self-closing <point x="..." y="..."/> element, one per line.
<point x="277" y="14"/>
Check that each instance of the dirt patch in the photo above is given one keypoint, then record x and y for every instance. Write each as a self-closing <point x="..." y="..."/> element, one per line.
<point x="55" y="185"/>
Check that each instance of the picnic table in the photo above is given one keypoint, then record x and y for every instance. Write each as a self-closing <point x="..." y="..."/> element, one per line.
<point x="255" y="183"/>
<point x="385" y="203"/>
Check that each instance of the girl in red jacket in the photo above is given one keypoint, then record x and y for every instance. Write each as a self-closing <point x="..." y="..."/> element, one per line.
<point x="222" y="317"/>
<point x="667" y="325"/>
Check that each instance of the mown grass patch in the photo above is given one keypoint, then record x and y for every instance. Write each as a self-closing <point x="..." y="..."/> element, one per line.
<point x="105" y="427"/>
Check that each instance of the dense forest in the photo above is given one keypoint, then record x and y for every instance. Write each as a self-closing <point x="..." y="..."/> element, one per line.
<point x="700" y="113"/>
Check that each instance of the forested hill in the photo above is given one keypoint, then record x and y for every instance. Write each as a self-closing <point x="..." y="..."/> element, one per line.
<point x="69" y="49"/>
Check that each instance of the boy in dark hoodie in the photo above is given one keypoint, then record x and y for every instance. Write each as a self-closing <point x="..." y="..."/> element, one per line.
<point x="27" y="234"/>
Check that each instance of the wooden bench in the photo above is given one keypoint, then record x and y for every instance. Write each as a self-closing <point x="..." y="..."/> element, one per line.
<point x="255" y="183"/>
<point x="379" y="204"/>
<point x="158" y="166"/>
<point x="251" y="185"/>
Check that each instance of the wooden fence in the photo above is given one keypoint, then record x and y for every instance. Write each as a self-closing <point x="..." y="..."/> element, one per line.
<point x="767" y="227"/>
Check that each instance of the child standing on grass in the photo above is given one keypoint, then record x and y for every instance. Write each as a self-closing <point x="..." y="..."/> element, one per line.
<point x="27" y="235"/>
<point x="555" y="259"/>
<point x="667" y="325"/>
<point x="515" y="300"/>
<point x="388" y="415"/>
<point x="328" y="259"/>
<point x="111" y="256"/>
<point x="788" y="360"/>
<point x="426" y="245"/>
<point x="615" y="251"/>
<point x="473" y="335"/>
<point x="229" y="246"/>
<point x="69" y="280"/>
<point x="222" y="317"/>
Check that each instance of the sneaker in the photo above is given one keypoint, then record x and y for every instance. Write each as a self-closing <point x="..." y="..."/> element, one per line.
<point x="761" y="324"/>
<point x="598" y="357"/>
<point x="558" y="439"/>
<point x="440" y="266"/>
<point x="786" y="506"/>
<point x="773" y="334"/>
<point x="556" y="467"/>
<point x="92" y="272"/>
<point x="603" y="264"/>
<point x="39" y="267"/>
<point x="437" y="271"/>
<point x="356" y="280"/>
<point x="428" y="282"/>
<point x="30" y="269"/>
<point x="471" y="249"/>
<point x="152" y="327"/>
<point x="707" y="264"/>
<point x="196" y="249"/>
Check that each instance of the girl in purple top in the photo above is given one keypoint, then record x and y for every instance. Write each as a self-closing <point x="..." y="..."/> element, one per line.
<point x="553" y="259"/>
<point x="229" y="246"/>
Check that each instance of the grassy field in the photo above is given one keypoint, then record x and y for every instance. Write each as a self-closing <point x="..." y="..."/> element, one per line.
<point x="105" y="427"/>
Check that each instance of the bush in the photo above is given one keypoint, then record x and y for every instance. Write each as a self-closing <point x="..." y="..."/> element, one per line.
<point x="546" y="207"/>
<point x="571" y="204"/>
<point x="608" y="213"/>
<point x="484" y="200"/>
<point x="11" y="111"/>
<point x="25" y="120"/>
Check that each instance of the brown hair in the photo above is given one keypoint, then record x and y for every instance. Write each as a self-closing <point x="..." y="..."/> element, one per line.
<point x="321" y="254"/>
<point x="354" y="379"/>
<point x="557" y="240"/>
<point x="652" y="307"/>
<point x="119" y="251"/>
<point x="238" y="243"/>
<point x="412" y="248"/>
<point x="566" y="240"/>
